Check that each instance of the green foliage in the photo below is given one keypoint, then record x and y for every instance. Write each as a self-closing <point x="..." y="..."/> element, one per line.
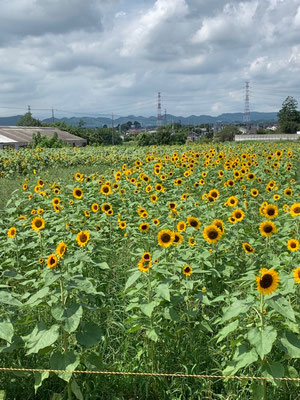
<point x="28" y="120"/>
<point x="226" y="134"/>
<point x="289" y="116"/>
<point x="164" y="135"/>
<point x="44" y="141"/>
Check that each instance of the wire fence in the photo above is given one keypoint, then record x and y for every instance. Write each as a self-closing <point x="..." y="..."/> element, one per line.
<point x="151" y="374"/>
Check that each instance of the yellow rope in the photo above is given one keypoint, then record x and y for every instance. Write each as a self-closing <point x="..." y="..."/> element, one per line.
<point x="201" y="376"/>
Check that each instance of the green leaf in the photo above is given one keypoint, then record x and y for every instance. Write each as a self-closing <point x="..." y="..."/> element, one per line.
<point x="89" y="335"/>
<point x="262" y="339"/>
<point x="147" y="309"/>
<point x="6" y="331"/>
<point x="243" y="357"/>
<point x="257" y="391"/>
<point x="39" y="377"/>
<point x="68" y="361"/>
<point x="170" y="313"/>
<point x="274" y="370"/>
<point x="134" y="277"/>
<point x="41" y="337"/>
<point x="2" y="395"/>
<point x="151" y="334"/>
<point x="76" y="390"/>
<point x="237" y="308"/>
<point x="7" y="298"/>
<point x="226" y="330"/>
<point x="71" y="317"/>
<point x="282" y="305"/>
<point x="103" y="265"/>
<point x="291" y="343"/>
<point x="163" y="291"/>
<point x="37" y="296"/>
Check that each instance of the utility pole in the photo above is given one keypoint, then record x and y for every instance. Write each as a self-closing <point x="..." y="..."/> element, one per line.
<point x="247" y="108"/>
<point x="29" y="110"/>
<point x="112" y="129"/>
<point x="165" y="122"/>
<point x="53" y="119"/>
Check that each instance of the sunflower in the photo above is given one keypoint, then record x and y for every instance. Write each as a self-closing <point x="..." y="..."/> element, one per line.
<point x="38" y="223"/>
<point x="105" y="189"/>
<point x="212" y="233"/>
<point x="232" y="220"/>
<point x="267" y="228"/>
<point x="178" y="239"/>
<point x="95" y="207"/>
<point x="156" y="221"/>
<point x="293" y="245"/>
<point x="146" y="256"/>
<point x="122" y="224"/>
<point x="172" y="205"/>
<point x="270" y="211"/>
<point x="295" y="210"/>
<point x="40" y="211"/>
<point x="105" y="207"/>
<point x="153" y="198"/>
<point x="214" y="193"/>
<point x="194" y="222"/>
<point x="11" y="233"/>
<point x="181" y="226"/>
<point x="77" y="193"/>
<point x="165" y="238"/>
<point x="82" y="238"/>
<point x="25" y="186"/>
<point x="219" y="224"/>
<point x="232" y="201"/>
<point x="267" y="282"/>
<point x="144" y="265"/>
<point x="61" y="249"/>
<point x="52" y="261"/>
<point x="248" y="248"/>
<point x="187" y="270"/>
<point x="144" y="227"/>
<point x="87" y="213"/>
<point x="192" y="241"/>
<point x="297" y="274"/>
<point x="288" y="192"/>
<point x="238" y="215"/>
<point x="254" y="192"/>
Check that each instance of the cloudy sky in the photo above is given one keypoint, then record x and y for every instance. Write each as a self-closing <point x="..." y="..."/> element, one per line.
<point x="102" y="56"/>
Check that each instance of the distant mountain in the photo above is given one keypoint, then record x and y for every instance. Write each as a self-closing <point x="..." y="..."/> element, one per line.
<point x="9" y="121"/>
<point x="91" y="122"/>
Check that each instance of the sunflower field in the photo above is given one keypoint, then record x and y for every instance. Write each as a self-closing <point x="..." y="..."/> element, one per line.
<point x="178" y="259"/>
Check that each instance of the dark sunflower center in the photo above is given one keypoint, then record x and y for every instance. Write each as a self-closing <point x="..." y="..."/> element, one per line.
<point x="38" y="223"/>
<point x="297" y="210"/>
<point x="83" y="237"/>
<point x="52" y="261"/>
<point x="193" y="223"/>
<point x="106" y="207"/>
<point x="165" y="238"/>
<point x="268" y="228"/>
<point x="266" y="281"/>
<point x="176" y="240"/>
<point x="213" y="234"/>
<point x="144" y="227"/>
<point x="214" y="194"/>
<point x="105" y="189"/>
<point x="293" y="245"/>
<point x="78" y="192"/>
<point x="238" y="215"/>
<point x="232" y="201"/>
<point x="187" y="270"/>
<point x="271" y="211"/>
<point x="172" y="205"/>
<point x="248" y="248"/>
<point x="146" y="257"/>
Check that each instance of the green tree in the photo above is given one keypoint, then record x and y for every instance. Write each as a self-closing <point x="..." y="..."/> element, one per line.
<point x="28" y="120"/>
<point x="226" y="134"/>
<point x="289" y="116"/>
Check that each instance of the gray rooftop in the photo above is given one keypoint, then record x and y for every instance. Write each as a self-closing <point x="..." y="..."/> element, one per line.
<point x="23" y="134"/>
